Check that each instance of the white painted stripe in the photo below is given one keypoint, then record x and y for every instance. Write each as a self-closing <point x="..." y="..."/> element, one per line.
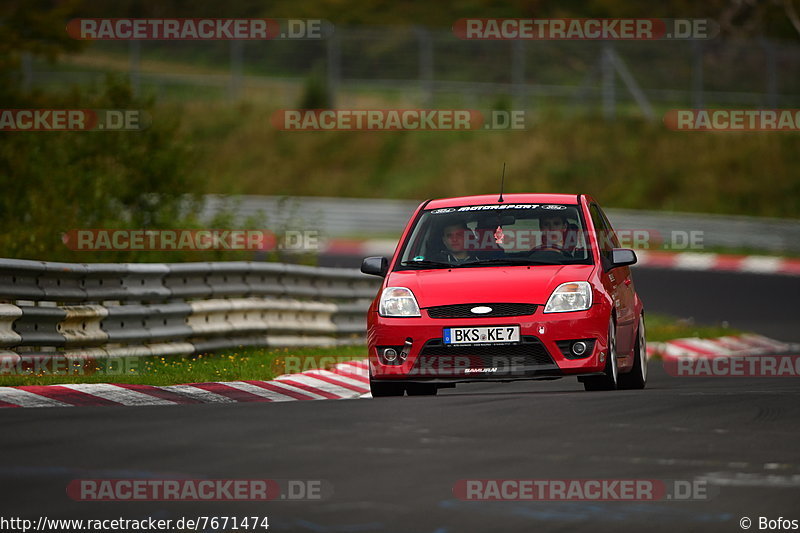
<point x="671" y="350"/>
<point x="24" y="398"/>
<point x="765" y="341"/>
<point x="117" y="394"/>
<point x="258" y="391"/>
<point x="353" y="369"/>
<point x="706" y="345"/>
<point x="287" y="386"/>
<point x="323" y="385"/>
<point x="754" y="346"/>
<point x="761" y="264"/>
<point x="198" y="394"/>
<point x="344" y="379"/>
<point x="694" y="261"/>
<point x="734" y="343"/>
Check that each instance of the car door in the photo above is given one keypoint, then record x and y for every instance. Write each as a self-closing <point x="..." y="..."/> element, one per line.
<point x="618" y="282"/>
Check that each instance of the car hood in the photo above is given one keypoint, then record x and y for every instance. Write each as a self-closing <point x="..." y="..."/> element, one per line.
<point x="502" y="284"/>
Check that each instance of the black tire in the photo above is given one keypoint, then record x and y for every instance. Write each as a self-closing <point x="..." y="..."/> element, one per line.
<point x="637" y="377"/>
<point x="383" y="390"/>
<point x="421" y="389"/>
<point x="610" y="379"/>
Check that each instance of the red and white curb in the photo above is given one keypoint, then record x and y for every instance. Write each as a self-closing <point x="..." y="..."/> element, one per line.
<point x="754" y="264"/>
<point x="343" y="381"/>
<point x="731" y="346"/>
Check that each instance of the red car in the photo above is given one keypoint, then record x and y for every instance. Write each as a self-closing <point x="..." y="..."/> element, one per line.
<point x="503" y="288"/>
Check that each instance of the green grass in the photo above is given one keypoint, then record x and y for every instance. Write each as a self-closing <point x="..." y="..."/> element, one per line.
<point x="244" y="364"/>
<point x="625" y="163"/>
<point x="628" y="163"/>
<point x="661" y="328"/>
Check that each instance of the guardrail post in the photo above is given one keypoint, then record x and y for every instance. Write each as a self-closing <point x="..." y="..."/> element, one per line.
<point x="697" y="74"/>
<point x="237" y="61"/>
<point x="134" y="65"/>
<point x="334" y="64"/>
<point x="609" y="96"/>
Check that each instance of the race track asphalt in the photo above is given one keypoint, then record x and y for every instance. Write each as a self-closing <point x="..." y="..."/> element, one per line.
<point x="392" y="463"/>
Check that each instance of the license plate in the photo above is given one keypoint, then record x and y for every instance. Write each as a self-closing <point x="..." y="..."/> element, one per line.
<point x="481" y="335"/>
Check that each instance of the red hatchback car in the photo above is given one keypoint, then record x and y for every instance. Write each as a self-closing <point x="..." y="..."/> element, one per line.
<point x="503" y="288"/>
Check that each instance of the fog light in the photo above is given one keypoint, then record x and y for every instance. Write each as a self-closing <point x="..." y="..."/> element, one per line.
<point x="390" y="354"/>
<point x="579" y="348"/>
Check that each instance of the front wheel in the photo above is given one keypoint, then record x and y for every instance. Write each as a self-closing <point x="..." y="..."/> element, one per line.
<point x="384" y="389"/>
<point x="637" y="377"/>
<point x="609" y="379"/>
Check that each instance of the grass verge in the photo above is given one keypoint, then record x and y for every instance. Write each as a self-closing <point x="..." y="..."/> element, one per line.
<point x="661" y="328"/>
<point x="243" y="364"/>
<point x="264" y="364"/>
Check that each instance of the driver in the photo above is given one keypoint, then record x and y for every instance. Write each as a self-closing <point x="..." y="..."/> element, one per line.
<point x="454" y="237"/>
<point x="553" y="228"/>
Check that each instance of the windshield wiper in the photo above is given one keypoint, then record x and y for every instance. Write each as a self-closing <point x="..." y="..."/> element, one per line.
<point x="509" y="260"/>
<point x="425" y="262"/>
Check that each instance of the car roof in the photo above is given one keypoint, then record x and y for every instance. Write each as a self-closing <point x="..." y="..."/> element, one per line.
<point x="515" y="198"/>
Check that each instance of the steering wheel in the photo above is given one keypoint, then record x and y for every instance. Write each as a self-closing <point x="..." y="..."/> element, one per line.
<point x="543" y="248"/>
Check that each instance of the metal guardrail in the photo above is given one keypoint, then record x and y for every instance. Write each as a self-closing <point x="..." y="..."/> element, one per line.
<point x="365" y="217"/>
<point x="115" y="310"/>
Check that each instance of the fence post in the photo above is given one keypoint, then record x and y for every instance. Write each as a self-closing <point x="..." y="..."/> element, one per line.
<point x="27" y="71"/>
<point x="334" y="60"/>
<point x="134" y="67"/>
<point x="425" y="43"/>
<point x="607" y="66"/>
<point x="237" y="60"/>
<point x="697" y="74"/>
<point x="518" y="73"/>
<point x="772" y="72"/>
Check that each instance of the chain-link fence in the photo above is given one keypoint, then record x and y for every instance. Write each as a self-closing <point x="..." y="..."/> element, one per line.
<point x="423" y="67"/>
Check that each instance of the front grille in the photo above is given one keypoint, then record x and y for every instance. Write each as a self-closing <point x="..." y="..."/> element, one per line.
<point x="528" y="353"/>
<point x="464" y="310"/>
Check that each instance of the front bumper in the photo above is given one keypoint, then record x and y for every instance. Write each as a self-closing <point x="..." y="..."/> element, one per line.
<point x="536" y="356"/>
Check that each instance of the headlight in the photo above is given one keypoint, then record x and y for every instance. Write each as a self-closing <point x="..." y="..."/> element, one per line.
<point x="572" y="296"/>
<point x="398" y="301"/>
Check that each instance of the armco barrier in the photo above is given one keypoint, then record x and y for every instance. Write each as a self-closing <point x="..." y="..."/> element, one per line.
<point x="116" y="310"/>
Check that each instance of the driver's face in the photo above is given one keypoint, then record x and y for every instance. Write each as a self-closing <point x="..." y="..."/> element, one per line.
<point x="552" y="224"/>
<point x="552" y="230"/>
<point x="453" y="238"/>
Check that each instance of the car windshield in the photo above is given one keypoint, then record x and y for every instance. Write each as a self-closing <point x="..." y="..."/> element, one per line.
<point x="497" y="235"/>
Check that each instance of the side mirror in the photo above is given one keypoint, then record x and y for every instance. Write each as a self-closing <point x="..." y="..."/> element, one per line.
<point x="622" y="257"/>
<point x="376" y="266"/>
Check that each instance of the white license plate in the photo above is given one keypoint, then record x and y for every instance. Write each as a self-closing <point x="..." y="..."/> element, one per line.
<point x="481" y="335"/>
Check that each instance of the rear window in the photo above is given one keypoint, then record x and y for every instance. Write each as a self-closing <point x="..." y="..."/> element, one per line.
<point x="497" y="234"/>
